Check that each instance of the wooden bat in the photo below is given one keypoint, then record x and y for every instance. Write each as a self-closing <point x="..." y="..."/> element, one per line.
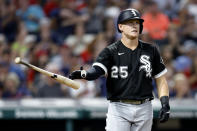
<point x="62" y="79"/>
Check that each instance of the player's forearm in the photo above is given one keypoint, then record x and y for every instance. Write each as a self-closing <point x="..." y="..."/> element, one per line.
<point x="162" y="87"/>
<point x="163" y="93"/>
<point x="94" y="73"/>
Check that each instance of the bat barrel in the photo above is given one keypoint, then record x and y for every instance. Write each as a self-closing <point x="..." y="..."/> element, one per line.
<point x="59" y="78"/>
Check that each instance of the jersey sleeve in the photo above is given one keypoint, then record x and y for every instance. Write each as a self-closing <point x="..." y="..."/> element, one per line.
<point x="159" y="68"/>
<point x="103" y="60"/>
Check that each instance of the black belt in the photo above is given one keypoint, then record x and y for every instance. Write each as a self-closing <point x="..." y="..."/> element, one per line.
<point x="134" y="102"/>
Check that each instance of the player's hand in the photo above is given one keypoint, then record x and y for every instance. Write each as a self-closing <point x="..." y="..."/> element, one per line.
<point x="164" y="113"/>
<point x="78" y="74"/>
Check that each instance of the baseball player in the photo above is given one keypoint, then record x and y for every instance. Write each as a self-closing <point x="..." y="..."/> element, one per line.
<point x="130" y="65"/>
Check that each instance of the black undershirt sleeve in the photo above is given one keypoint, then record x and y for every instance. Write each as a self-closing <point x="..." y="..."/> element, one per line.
<point x="94" y="72"/>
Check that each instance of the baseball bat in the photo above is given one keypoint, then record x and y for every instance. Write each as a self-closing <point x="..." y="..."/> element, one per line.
<point x="62" y="79"/>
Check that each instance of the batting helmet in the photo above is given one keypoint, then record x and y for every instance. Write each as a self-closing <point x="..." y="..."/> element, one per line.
<point x="130" y="14"/>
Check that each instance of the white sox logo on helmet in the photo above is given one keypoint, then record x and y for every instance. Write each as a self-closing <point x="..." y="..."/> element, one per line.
<point x="144" y="59"/>
<point x="133" y="11"/>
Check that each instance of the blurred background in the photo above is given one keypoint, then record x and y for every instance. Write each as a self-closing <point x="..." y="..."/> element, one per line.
<point x="62" y="35"/>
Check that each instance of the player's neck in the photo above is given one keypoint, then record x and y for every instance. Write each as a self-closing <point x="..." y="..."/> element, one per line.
<point x="130" y="43"/>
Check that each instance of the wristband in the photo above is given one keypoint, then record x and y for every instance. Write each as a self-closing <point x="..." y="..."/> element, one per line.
<point x="164" y="101"/>
<point x="83" y="74"/>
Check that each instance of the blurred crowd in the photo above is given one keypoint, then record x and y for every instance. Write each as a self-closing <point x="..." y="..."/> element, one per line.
<point x="62" y="35"/>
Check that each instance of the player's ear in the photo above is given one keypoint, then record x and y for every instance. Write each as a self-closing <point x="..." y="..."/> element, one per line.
<point x="120" y="26"/>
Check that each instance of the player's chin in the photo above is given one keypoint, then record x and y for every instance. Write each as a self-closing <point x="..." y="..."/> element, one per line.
<point x="133" y="35"/>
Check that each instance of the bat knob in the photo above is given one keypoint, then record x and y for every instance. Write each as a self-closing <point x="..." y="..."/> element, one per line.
<point x="17" y="60"/>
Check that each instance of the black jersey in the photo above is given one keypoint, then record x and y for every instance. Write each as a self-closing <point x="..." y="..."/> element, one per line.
<point x="130" y="72"/>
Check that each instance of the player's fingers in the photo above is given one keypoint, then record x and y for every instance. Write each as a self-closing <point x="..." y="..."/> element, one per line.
<point x="70" y="77"/>
<point x="160" y="114"/>
<point x="73" y="75"/>
<point x="162" y="120"/>
<point x="164" y="117"/>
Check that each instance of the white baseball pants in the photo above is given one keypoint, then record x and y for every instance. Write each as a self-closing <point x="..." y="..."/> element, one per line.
<point x="128" y="117"/>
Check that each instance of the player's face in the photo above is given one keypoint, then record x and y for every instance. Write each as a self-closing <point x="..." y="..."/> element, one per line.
<point x="130" y="28"/>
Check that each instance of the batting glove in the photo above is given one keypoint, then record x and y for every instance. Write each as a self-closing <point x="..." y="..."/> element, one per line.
<point x="165" y="110"/>
<point x="78" y="74"/>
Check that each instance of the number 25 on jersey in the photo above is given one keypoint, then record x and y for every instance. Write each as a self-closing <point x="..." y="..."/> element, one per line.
<point x="122" y="71"/>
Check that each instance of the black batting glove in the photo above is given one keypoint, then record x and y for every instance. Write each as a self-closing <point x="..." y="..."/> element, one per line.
<point x="78" y="74"/>
<point x="164" y="113"/>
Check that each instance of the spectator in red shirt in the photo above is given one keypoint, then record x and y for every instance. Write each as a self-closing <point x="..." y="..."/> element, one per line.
<point x="156" y="23"/>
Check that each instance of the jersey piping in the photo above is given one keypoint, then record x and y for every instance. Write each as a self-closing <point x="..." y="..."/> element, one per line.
<point x="161" y="73"/>
<point x="101" y="66"/>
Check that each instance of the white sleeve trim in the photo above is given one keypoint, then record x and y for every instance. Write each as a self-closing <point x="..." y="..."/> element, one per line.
<point x="161" y="73"/>
<point x="101" y="65"/>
